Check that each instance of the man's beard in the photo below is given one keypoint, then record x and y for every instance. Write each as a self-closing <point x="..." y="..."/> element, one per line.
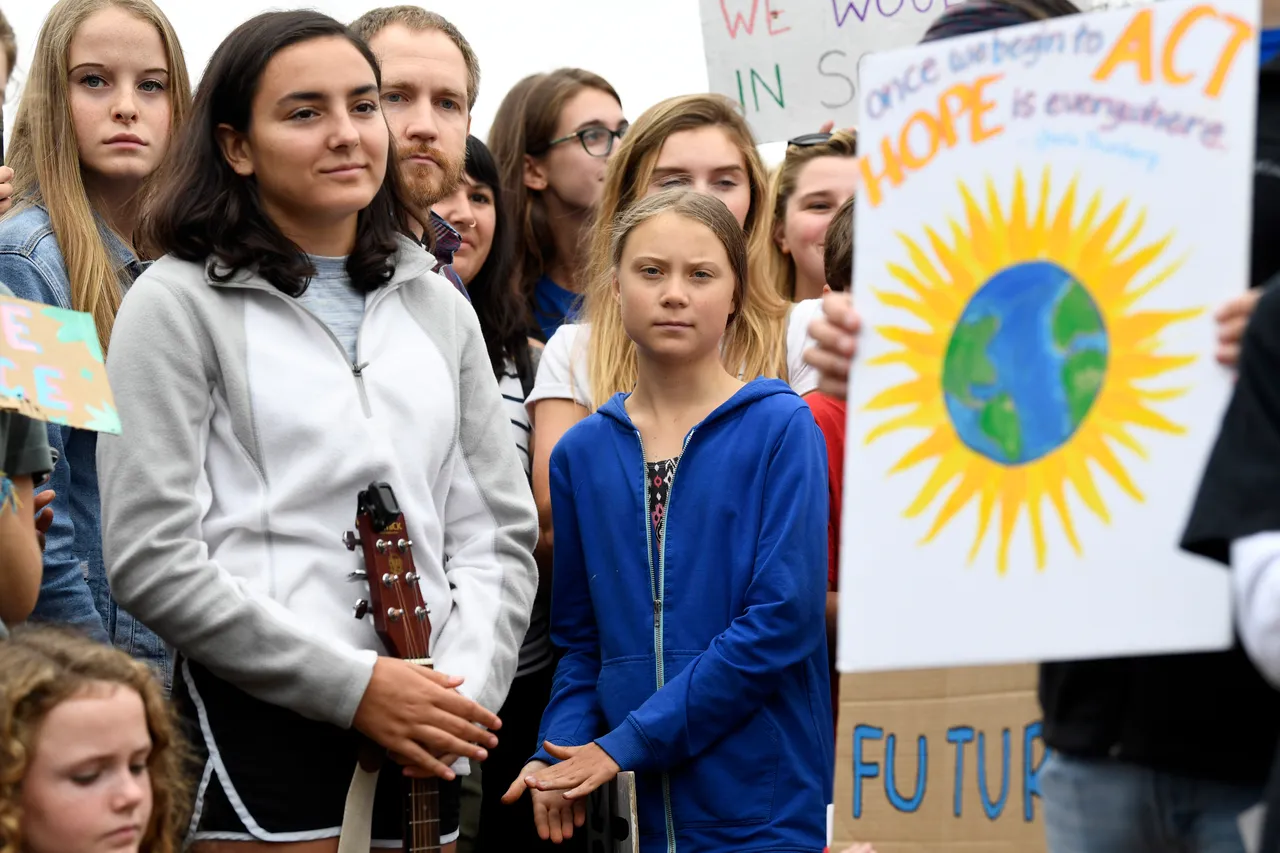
<point x="426" y="186"/>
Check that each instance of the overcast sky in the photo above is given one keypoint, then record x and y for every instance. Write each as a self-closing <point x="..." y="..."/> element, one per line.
<point x="648" y="49"/>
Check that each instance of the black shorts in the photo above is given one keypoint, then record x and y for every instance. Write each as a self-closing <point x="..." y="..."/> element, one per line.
<point x="272" y="775"/>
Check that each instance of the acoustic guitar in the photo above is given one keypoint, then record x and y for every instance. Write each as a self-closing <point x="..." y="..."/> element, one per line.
<point x="402" y="621"/>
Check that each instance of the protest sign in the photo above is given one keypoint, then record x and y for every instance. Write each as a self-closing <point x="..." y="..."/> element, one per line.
<point x="793" y="64"/>
<point x="1048" y="217"/>
<point x="940" y="761"/>
<point x="51" y="366"/>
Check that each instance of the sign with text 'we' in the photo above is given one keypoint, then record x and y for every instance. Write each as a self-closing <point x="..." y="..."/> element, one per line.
<point x="793" y="64"/>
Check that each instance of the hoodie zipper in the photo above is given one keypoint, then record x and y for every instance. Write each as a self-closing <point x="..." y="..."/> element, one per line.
<point x="357" y="366"/>
<point x="658" y="587"/>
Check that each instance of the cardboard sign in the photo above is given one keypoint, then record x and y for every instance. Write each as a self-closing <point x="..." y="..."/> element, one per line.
<point x="1048" y="217"/>
<point x="940" y="761"/>
<point x="793" y="64"/>
<point x="51" y="366"/>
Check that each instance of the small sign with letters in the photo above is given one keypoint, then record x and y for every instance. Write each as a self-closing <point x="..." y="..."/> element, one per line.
<point x="51" y="366"/>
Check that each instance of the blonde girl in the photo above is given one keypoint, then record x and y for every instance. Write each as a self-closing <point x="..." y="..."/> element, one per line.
<point x="108" y="87"/>
<point x="817" y="176"/>
<point x="90" y="756"/>
<point x="690" y="617"/>
<point x="698" y="142"/>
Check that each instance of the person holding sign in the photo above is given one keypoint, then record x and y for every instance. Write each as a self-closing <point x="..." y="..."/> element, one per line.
<point x="108" y="86"/>
<point x="291" y="347"/>
<point x="1134" y="740"/>
<point x="691" y="618"/>
<point x="25" y="459"/>
<point x="1236" y="518"/>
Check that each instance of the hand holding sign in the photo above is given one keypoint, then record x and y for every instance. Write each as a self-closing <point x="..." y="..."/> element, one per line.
<point x="51" y="366"/>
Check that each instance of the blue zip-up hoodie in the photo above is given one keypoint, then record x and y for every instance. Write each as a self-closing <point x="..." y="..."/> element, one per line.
<point x="701" y="664"/>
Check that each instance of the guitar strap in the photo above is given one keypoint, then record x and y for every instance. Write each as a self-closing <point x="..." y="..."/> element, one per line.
<point x="357" y="816"/>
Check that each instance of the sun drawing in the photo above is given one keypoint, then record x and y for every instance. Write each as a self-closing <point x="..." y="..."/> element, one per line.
<point x="1034" y="365"/>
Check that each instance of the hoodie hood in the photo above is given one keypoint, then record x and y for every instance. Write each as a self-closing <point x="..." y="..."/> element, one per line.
<point x="757" y="389"/>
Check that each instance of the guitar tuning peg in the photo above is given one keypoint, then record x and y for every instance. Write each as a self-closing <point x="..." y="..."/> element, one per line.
<point x="358" y="576"/>
<point x="350" y="539"/>
<point x="361" y="609"/>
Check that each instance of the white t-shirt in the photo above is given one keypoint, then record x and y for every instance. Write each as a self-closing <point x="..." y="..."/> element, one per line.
<point x="562" y="375"/>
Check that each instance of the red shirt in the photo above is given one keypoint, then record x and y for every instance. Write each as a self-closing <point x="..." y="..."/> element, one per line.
<point x="830" y="416"/>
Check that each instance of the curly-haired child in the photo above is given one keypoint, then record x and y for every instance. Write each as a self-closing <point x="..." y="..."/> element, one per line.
<point x="90" y="756"/>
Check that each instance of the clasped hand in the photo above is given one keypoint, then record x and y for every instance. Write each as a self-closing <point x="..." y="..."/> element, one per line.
<point x="419" y="717"/>
<point x="559" y="791"/>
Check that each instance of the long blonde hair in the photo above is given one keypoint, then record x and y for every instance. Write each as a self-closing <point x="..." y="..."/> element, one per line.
<point x="780" y="269"/>
<point x="756" y="343"/>
<point x="692" y="206"/>
<point x="46" y="163"/>
<point x="41" y="667"/>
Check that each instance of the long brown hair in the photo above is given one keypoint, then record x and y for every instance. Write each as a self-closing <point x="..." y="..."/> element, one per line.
<point x="526" y="121"/>
<point x="208" y="214"/>
<point x="46" y="163"/>
<point x="757" y="344"/>
<point x="41" y="667"/>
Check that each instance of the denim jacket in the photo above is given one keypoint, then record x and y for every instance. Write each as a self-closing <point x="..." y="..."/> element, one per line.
<point x="74" y="588"/>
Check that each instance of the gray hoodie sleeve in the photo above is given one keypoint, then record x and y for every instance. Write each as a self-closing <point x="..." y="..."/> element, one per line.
<point x="162" y="367"/>
<point x="490" y="519"/>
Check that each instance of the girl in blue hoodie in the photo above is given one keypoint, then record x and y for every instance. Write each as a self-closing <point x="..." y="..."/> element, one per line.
<point x="691" y="619"/>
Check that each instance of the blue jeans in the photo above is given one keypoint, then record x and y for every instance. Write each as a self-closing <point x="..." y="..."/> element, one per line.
<point x="1101" y="806"/>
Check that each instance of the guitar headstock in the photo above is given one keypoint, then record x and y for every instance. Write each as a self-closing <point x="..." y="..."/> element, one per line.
<point x="400" y="615"/>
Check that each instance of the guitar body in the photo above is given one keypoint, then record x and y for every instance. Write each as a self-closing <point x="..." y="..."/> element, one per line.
<point x="402" y="621"/>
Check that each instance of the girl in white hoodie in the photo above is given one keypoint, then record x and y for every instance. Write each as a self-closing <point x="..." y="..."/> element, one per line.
<point x="291" y="348"/>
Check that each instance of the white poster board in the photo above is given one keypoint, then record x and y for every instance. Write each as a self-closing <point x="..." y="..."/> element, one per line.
<point x="793" y="64"/>
<point x="1048" y="216"/>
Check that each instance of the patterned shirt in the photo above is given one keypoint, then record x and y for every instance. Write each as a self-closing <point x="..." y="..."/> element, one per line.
<point x="445" y="241"/>
<point x="660" y="476"/>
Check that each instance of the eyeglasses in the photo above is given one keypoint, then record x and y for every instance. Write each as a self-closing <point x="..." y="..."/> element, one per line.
<point x="596" y="141"/>
<point x="809" y="140"/>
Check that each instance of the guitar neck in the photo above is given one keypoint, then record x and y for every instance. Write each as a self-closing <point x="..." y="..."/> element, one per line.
<point x="422" y="808"/>
<point x="402" y="622"/>
<point x="422" y="816"/>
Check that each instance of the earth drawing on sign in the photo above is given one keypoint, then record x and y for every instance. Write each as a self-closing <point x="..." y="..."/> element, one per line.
<point x="1030" y="360"/>
<point x="1025" y="363"/>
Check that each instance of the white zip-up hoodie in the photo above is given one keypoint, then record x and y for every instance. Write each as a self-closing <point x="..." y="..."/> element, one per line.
<point x="247" y="436"/>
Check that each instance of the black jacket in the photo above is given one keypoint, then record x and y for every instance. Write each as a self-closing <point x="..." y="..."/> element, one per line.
<point x="1207" y="716"/>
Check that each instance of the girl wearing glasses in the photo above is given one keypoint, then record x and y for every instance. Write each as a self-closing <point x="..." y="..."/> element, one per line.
<point x="552" y="138"/>
<point x="817" y="176"/>
<point x="698" y="142"/>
